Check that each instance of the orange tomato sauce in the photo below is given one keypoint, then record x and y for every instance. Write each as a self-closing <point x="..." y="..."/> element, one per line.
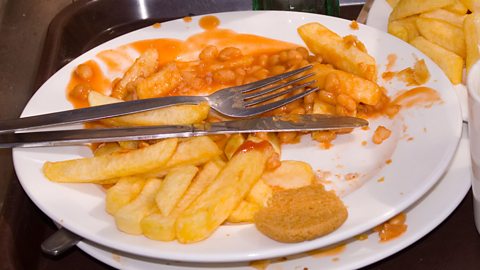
<point x="393" y="228"/>
<point x="424" y="96"/>
<point x="329" y="251"/>
<point x="209" y="22"/>
<point x="183" y="52"/>
<point x="97" y="80"/>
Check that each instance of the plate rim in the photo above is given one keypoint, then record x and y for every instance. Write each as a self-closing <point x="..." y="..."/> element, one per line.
<point x="444" y="162"/>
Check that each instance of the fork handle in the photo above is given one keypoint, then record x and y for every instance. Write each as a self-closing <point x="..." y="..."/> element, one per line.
<point x="94" y="113"/>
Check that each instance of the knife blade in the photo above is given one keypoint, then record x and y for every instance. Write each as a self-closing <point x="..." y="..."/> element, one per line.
<point x="311" y="122"/>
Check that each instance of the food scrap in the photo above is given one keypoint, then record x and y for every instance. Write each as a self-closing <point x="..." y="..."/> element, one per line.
<point x="354" y="25"/>
<point x="393" y="228"/>
<point x="381" y="134"/>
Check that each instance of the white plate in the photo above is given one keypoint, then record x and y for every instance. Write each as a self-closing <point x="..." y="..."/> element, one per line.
<point x="416" y="167"/>
<point x="422" y="217"/>
<point x="378" y="18"/>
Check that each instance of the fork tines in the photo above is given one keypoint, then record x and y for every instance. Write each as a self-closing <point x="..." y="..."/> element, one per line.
<point x="258" y="95"/>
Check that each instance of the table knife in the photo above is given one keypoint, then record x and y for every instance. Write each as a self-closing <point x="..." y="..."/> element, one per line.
<point x="288" y="123"/>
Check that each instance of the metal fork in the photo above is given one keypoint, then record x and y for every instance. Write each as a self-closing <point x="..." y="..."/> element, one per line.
<point x="239" y="101"/>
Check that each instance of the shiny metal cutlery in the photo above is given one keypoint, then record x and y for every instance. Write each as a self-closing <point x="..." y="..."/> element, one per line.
<point x="288" y="123"/>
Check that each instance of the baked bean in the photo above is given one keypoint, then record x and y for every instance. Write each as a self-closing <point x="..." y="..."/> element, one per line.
<point x="309" y="99"/>
<point x="340" y="110"/>
<point x="294" y="55"/>
<point x="303" y="52"/>
<point x="81" y="91"/>
<point x="293" y="105"/>
<point x="332" y="83"/>
<point x="298" y="110"/>
<point x="277" y="69"/>
<point x="287" y="137"/>
<point x="249" y="79"/>
<point x="308" y="108"/>
<point x="327" y="97"/>
<point x="84" y="71"/>
<point x="283" y="56"/>
<point x="240" y="72"/>
<point x="324" y="136"/>
<point x="274" y="59"/>
<point x="292" y="63"/>
<point x="347" y="102"/>
<point x="209" y="53"/>
<point x="315" y="58"/>
<point x="261" y="74"/>
<point x="253" y="69"/>
<point x="229" y="53"/>
<point x="304" y="63"/>
<point x="263" y="60"/>
<point x="224" y="76"/>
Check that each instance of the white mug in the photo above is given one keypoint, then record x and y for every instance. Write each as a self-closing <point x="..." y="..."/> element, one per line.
<point x="473" y="85"/>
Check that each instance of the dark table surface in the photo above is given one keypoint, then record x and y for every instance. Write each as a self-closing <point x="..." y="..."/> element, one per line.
<point x="455" y="244"/>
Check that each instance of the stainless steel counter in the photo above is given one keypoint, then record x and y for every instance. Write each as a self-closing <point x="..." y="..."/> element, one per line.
<point x="23" y="25"/>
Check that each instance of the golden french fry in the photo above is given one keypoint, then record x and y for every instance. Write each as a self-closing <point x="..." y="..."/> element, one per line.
<point x="173" y="115"/>
<point x="445" y="15"/>
<point x="128" y="145"/>
<point x="193" y="151"/>
<point x="128" y="217"/>
<point x="244" y="212"/>
<point x="405" y="29"/>
<point x="123" y="192"/>
<point x="334" y="50"/>
<point x="216" y="203"/>
<point x="260" y="193"/>
<point x="458" y="7"/>
<point x="472" y="38"/>
<point x="107" y="149"/>
<point x="232" y="145"/>
<point x="290" y="174"/>
<point x="160" y="83"/>
<point x="448" y="61"/>
<point x="337" y="81"/>
<point x="173" y="187"/>
<point x="95" y="169"/>
<point x="159" y="227"/>
<point x="406" y="8"/>
<point x="393" y="3"/>
<point x="472" y="5"/>
<point x="443" y="34"/>
<point x="144" y="66"/>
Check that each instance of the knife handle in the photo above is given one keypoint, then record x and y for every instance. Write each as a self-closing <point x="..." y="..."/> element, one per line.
<point x="94" y="113"/>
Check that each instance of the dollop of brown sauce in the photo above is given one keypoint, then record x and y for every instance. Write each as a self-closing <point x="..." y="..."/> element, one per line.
<point x="157" y="25"/>
<point x="209" y="22"/>
<point x="187" y="19"/>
